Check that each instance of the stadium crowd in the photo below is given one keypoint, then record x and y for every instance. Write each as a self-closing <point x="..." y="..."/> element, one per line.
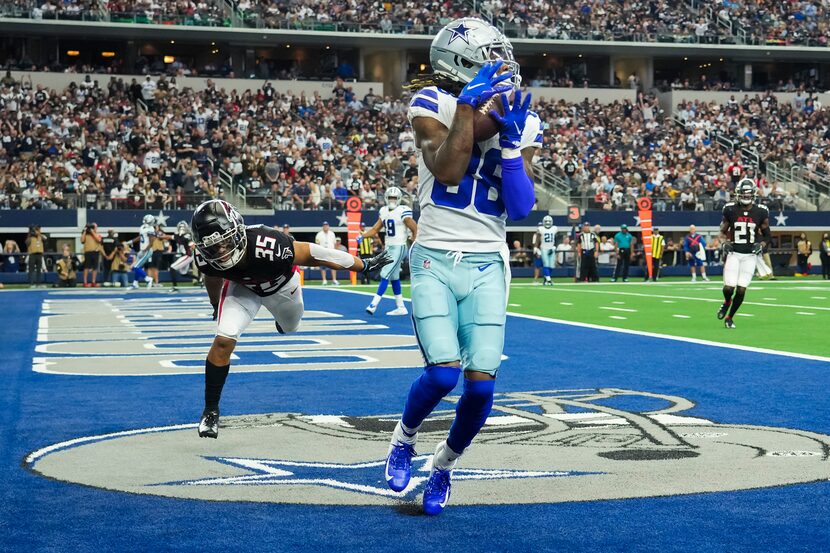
<point x="762" y="21"/>
<point x="95" y="145"/>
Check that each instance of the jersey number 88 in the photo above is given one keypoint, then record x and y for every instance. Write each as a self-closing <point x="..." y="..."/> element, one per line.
<point x="482" y="169"/>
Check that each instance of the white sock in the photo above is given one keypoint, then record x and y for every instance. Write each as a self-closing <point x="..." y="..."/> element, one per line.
<point x="404" y="435"/>
<point x="376" y="300"/>
<point x="399" y="301"/>
<point x="148" y="279"/>
<point x="444" y="458"/>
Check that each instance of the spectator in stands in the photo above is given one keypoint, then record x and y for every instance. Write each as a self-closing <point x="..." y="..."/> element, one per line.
<point x="824" y="249"/>
<point x="34" y="255"/>
<point x="91" y="241"/>
<point x="66" y="269"/>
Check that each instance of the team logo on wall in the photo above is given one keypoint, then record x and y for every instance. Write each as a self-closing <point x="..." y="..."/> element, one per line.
<point x="537" y="447"/>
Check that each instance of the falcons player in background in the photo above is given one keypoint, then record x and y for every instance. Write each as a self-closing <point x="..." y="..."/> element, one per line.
<point x="246" y="268"/>
<point x="745" y="231"/>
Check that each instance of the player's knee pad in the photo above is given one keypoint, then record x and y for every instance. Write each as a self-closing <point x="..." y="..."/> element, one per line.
<point x="442" y="379"/>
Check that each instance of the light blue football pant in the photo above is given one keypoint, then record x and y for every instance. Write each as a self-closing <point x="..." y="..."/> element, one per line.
<point x="459" y="307"/>
<point x="393" y="270"/>
<point x="549" y="258"/>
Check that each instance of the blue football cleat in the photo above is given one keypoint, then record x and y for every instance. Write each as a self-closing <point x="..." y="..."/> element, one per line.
<point x="399" y="466"/>
<point x="437" y="492"/>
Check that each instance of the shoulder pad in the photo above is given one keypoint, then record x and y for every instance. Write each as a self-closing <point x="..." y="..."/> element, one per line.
<point x="762" y="206"/>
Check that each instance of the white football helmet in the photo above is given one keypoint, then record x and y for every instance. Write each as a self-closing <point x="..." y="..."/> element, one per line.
<point x="393" y="197"/>
<point x="182" y="228"/>
<point x="460" y="49"/>
<point x="547" y="221"/>
<point x="149" y="220"/>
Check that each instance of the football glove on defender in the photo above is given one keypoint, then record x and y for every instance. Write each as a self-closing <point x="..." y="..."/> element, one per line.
<point x="371" y="264"/>
<point x="485" y="84"/>
<point x="727" y="248"/>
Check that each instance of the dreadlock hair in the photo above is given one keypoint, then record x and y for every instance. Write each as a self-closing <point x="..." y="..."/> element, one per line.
<point x="434" y="79"/>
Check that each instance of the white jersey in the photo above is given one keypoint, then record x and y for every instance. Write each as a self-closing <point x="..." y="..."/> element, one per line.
<point x="145" y="233"/>
<point x="547" y="237"/>
<point x="469" y="217"/>
<point x="326" y="239"/>
<point x="393" y="226"/>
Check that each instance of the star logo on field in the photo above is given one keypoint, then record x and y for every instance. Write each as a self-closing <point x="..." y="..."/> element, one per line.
<point x="781" y="219"/>
<point x="366" y="478"/>
<point x="460" y="31"/>
<point x="161" y="219"/>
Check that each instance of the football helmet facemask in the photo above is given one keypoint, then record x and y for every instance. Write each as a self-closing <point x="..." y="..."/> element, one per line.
<point x="219" y="234"/>
<point x="745" y="191"/>
<point x="547" y="221"/>
<point x="464" y="45"/>
<point x="393" y="197"/>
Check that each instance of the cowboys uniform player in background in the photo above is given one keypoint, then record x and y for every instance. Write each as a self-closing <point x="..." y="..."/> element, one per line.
<point x="146" y="232"/>
<point x="460" y="262"/>
<point x="246" y="268"/>
<point x="393" y="219"/>
<point x="745" y="230"/>
<point x="545" y="240"/>
<point x="183" y="254"/>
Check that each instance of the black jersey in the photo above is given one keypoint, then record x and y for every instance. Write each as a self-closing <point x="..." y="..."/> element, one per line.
<point x="183" y="244"/>
<point x="744" y="225"/>
<point x="268" y="263"/>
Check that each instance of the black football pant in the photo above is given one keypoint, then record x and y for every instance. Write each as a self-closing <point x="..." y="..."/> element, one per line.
<point x="623" y="262"/>
<point x="589" y="268"/>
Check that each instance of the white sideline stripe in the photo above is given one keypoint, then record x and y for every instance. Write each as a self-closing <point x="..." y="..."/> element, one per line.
<point x="35" y="455"/>
<point x="619" y="309"/>
<point x="566" y="288"/>
<point x="638" y="332"/>
<point x="681" y="316"/>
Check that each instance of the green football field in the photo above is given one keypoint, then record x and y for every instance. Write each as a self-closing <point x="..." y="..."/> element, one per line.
<point x="791" y="315"/>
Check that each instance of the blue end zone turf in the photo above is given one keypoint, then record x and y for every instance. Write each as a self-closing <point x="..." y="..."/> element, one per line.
<point x="726" y="386"/>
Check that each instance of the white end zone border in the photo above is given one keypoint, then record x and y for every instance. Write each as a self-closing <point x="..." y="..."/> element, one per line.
<point x="636" y="332"/>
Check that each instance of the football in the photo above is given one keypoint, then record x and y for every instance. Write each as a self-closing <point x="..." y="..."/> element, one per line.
<point x="484" y="126"/>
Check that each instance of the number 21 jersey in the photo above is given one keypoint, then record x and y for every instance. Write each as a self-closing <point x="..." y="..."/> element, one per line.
<point x="745" y="224"/>
<point x="268" y="263"/>
<point x="468" y="217"/>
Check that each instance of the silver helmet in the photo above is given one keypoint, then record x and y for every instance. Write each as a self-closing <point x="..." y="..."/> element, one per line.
<point x="393" y="197"/>
<point x="460" y="49"/>
<point x="182" y="228"/>
<point x="149" y="220"/>
<point x="547" y="221"/>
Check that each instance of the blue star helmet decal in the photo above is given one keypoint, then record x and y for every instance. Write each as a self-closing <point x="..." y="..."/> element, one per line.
<point x="461" y="32"/>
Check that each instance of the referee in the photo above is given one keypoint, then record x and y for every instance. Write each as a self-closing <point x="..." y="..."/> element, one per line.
<point x="365" y="249"/>
<point x="588" y="247"/>
<point x="658" y="244"/>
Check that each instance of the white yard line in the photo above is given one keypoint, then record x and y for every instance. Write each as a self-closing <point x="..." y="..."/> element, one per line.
<point x="681" y="316"/>
<point x="619" y="309"/>
<point x="683" y="339"/>
<point x="618" y="317"/>
<point x="804" y="313"/>
<point x="584" y="290"/>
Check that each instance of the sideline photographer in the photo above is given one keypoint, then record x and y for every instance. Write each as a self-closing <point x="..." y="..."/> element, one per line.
<point x="34" y="250"/>
<point x="92" y="245"/>
<point x="66" y="267"/>
<point x="117" y="261"/>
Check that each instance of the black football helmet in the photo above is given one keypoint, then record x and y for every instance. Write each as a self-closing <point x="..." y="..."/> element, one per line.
<point x="746" y="191"/>
<point x="219" y="234"/>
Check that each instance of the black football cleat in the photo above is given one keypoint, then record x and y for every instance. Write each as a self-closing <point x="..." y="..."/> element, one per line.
<point x="279" y="328"/>
<point x="728" y="323"/>
<point x="724" y="309"/>
<point x="209" y="425"/>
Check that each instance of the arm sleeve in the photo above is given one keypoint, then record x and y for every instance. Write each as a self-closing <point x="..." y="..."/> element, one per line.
<point x="517" y="188"/>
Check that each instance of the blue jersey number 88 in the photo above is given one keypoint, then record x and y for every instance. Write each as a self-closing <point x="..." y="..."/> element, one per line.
<point x="460" y="199"/>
